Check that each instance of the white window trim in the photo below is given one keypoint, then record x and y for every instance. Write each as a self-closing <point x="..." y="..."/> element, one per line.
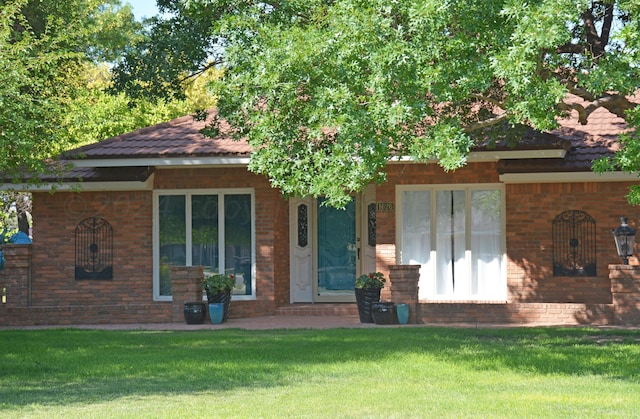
<point x="468" y="188"/>
<point x="188" y="193"/>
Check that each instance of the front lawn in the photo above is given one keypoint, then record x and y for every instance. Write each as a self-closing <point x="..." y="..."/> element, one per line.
<point x="402" y="372"/>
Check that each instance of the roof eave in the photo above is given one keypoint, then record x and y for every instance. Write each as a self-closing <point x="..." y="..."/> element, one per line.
<point x="496" y="155"/>
<point x="87" y="186"/>
<point x="565" y="177"/>
<point x="163" y="161"/>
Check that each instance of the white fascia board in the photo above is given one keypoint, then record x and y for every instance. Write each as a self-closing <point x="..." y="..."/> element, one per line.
<point x="568" y="177"/>
<point x="480" y="156"/>
<point x="162" y="162"/>
<point x="489" y="156"/>
<point x="129" y="185"/>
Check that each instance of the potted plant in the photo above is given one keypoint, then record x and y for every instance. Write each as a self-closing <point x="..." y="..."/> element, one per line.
<point x="218" y="288"/>
<point x="367" y="291"/>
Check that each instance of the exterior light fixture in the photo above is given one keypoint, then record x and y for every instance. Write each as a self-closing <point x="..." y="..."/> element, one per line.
<point x="625" y="238"/>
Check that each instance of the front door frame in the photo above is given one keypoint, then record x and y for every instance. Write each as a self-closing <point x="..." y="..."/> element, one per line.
<point x="303" y="238"/>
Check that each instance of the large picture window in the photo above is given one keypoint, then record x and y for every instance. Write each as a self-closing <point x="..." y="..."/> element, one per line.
<point x="214" y="229"/>
<point x="456" y="235"/>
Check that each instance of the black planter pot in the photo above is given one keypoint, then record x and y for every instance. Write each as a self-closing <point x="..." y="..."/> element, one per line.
<point x="224" y="298"/>
<point x="364" y="298"/>
<point x="195" y="313"/>
<point x="384" y="313"/>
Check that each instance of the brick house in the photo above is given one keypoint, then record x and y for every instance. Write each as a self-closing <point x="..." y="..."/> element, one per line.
<point x="519" y="235"/>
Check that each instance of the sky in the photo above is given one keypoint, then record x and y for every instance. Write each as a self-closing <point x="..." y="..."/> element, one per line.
<point x="143" y="8"/>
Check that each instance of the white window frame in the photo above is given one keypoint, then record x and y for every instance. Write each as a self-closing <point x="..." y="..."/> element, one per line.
<point x="427" y="282"/>
<point x="188" y="193"/>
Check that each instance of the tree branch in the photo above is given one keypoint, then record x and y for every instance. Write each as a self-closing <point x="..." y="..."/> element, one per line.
<point x="571" y="49"/>
<point x="591" y="33"/>
<point x="582" y="112"/>
<point x="200" y="71"/>
<point x="614" y="103"/>
<point x="606" y="24"/>
<point x="485" y="123"/>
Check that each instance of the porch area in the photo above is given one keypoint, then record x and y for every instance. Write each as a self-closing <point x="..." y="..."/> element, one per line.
<point x="17" y="309"/>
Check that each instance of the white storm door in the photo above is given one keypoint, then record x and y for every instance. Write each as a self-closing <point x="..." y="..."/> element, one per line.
<point x="301" y="249"/>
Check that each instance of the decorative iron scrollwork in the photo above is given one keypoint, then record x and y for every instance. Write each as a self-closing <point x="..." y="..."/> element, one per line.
<point x="371" y="225"/>
<point x="574" y="244"/>
<point x="303" y="223"/>
<point x="94" y="249"/>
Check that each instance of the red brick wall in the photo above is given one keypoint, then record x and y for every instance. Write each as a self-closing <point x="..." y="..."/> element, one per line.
<point x="14" y="278"/>
<point x="534" y="294"/>
<point x="130" y="214"/>
<point x="530" y="213"/>
<point x="55" y="219"/>
<point x="625" y="287"/>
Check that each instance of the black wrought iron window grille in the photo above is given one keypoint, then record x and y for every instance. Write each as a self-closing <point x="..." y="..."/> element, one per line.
<point x="574" y="244"/>
<point x="94" y="249"/>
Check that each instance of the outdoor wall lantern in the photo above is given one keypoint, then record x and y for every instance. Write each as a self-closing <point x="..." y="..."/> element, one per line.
<point x="625" y="238"/>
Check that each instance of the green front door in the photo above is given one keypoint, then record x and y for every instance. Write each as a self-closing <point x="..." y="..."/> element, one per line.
<point x="337" y="252"/>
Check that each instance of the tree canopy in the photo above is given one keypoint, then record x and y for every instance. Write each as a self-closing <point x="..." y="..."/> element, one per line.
<point x="328" y="91"/>
<point x="54" y="74"/>
<point x="55" y="60"/>
<point x="44" y="50"/>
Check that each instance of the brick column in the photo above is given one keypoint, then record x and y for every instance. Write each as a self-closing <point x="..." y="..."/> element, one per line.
<point x="404" y="287"/>
<point x="16" y="277"/>
<point x="625" y="292"/>
<point x="186" y="287"/>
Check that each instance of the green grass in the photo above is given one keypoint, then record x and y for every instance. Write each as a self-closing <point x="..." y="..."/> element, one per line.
<point x="372" y="372"/>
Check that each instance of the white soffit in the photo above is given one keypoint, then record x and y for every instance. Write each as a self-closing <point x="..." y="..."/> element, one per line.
<point x="129" y="185"/>
<point x="496" y="155"/>
<point x="163" y="162"/>
<point x="516" y="155"/>
<point x="564" y="177"/>
<point x="174" y="162"/>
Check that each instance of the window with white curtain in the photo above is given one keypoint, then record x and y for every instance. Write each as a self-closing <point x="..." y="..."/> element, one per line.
<point x="456" y="234"/>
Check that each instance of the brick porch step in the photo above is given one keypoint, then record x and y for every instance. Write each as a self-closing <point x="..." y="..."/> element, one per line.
<point x="318" y="309"/>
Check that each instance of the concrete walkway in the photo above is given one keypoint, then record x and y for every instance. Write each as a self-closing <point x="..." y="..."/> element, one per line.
<point x="252" y="323"/>
<point x="287" y="322"/>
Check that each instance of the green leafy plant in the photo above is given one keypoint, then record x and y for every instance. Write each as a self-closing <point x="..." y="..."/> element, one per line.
<point x="371" y="280"/>
<point x="217" y="283"/>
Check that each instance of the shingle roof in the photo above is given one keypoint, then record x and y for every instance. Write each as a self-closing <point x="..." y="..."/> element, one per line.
<point x="179" y="137"/>
<point x="598" y="138"/>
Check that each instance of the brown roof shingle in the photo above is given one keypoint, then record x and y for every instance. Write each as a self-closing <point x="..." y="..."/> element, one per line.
<point x="179" y="137"/>
<point x="598" y="138"/>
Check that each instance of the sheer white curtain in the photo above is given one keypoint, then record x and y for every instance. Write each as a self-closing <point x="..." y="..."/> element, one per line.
<point x="463" y="257"/>
<point x="486" y="247"/>
<point x="451" y="266"/>
<point x="416" y="236"/>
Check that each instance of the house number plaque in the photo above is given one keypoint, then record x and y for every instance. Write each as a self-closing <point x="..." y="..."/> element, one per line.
<point x="385" y="206"/>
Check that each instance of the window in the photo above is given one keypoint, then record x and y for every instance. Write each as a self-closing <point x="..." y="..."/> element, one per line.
<point x="214" y="229"/>
<point x="456" y="235"/>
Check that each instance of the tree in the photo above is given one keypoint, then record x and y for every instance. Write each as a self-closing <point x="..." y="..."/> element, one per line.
<point x="96" y="114"/>
<point x="44" y="50"/>
<point x="328" y="91"/>
<point x="54" y="74"/>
